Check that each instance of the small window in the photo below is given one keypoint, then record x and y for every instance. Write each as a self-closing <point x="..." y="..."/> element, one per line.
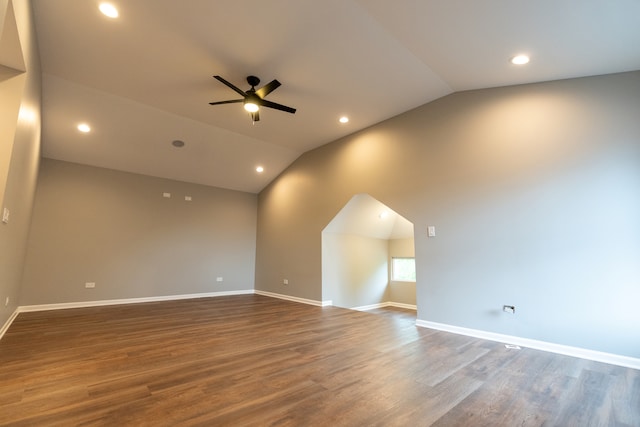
<point x="403" y="269"/>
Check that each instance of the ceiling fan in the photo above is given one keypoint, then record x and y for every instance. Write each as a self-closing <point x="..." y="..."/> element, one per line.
<point x="254" y="99"/>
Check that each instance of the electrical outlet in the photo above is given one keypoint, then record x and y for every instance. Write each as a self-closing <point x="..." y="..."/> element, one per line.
<point x="285" y="282"/>
<point x="90" y="285"/>
<point x="218" y="279"/>
<point x="509" y="309"/>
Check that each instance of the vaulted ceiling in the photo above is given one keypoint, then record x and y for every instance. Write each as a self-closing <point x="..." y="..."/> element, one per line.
<point x="144" y="79"/>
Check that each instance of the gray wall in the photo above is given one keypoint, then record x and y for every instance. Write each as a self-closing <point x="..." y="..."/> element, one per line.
<point x="116" y="229"/>
<point x="354" y="269"/>
<point x="20" y="95"/>
<point x="402" y="292"/>
<point x="535" y="193"/>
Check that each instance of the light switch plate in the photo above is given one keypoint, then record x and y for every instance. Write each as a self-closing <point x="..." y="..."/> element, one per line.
<point x="5" y="215"/>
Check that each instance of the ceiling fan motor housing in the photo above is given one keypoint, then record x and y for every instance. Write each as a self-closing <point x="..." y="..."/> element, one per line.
<point x="253" y="81"/>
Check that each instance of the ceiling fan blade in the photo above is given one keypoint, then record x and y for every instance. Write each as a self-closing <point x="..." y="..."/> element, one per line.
<point x="255" y="116"/>
<point x="268" y="88"/>
<point x="233" y="101"/>
<point x="269" y="104"/>
<point x="220" y="79"/>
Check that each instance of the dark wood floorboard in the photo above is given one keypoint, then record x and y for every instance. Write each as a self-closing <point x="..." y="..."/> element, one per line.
<point x="256" y="361"/>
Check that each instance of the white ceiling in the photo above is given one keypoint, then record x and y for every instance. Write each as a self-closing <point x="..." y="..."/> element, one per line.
<point x="367" y="217"/>
<point x="145" y="78"/>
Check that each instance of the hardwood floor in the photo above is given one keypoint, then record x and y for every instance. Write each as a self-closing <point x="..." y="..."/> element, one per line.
<point x="252" y="360"/>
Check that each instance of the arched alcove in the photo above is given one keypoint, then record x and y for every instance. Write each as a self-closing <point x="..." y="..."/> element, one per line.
<point x="357" y="247"/>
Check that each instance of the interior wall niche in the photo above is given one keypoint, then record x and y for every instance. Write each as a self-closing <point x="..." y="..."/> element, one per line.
<point x="12" y="85"/>
<point x="357" y="246"/>
<point x="11" y="58"/>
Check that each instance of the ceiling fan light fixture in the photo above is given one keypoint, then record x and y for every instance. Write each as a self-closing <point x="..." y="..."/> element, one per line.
<point x="251" y="106"/>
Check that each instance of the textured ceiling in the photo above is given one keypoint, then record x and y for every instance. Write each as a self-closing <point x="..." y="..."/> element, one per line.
<point x="145" y="79"/>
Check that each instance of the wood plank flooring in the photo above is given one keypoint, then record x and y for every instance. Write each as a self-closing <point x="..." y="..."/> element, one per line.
<point x="256" y="361"/>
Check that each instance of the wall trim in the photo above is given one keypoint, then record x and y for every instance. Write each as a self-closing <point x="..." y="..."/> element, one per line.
<point x="385" y="304"/>
<point x="9" y="321"/>
<point x="403" y="305"/>
<point x="83" y="304"/>
<point x="294" y="299"/>
<point x="582" y="353"/>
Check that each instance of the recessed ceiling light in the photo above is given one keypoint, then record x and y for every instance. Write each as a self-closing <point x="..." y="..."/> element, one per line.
<point x="177" y="143"/>
<point x="259" y="169"/>
<point x="520" y="60"/>
<point x="344" y="119"/>
<point x="109" y="10"/>
<point x="84" y="128"/>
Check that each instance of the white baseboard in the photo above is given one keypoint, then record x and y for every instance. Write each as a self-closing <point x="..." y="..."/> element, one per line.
<point x="294" y="299"/>
<point x="597" y="356"/>
<point x="8" y="323"/>
<point x="385" y="304"/>
<point x="403" y="305"/>
<point x="82" y="304"/>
